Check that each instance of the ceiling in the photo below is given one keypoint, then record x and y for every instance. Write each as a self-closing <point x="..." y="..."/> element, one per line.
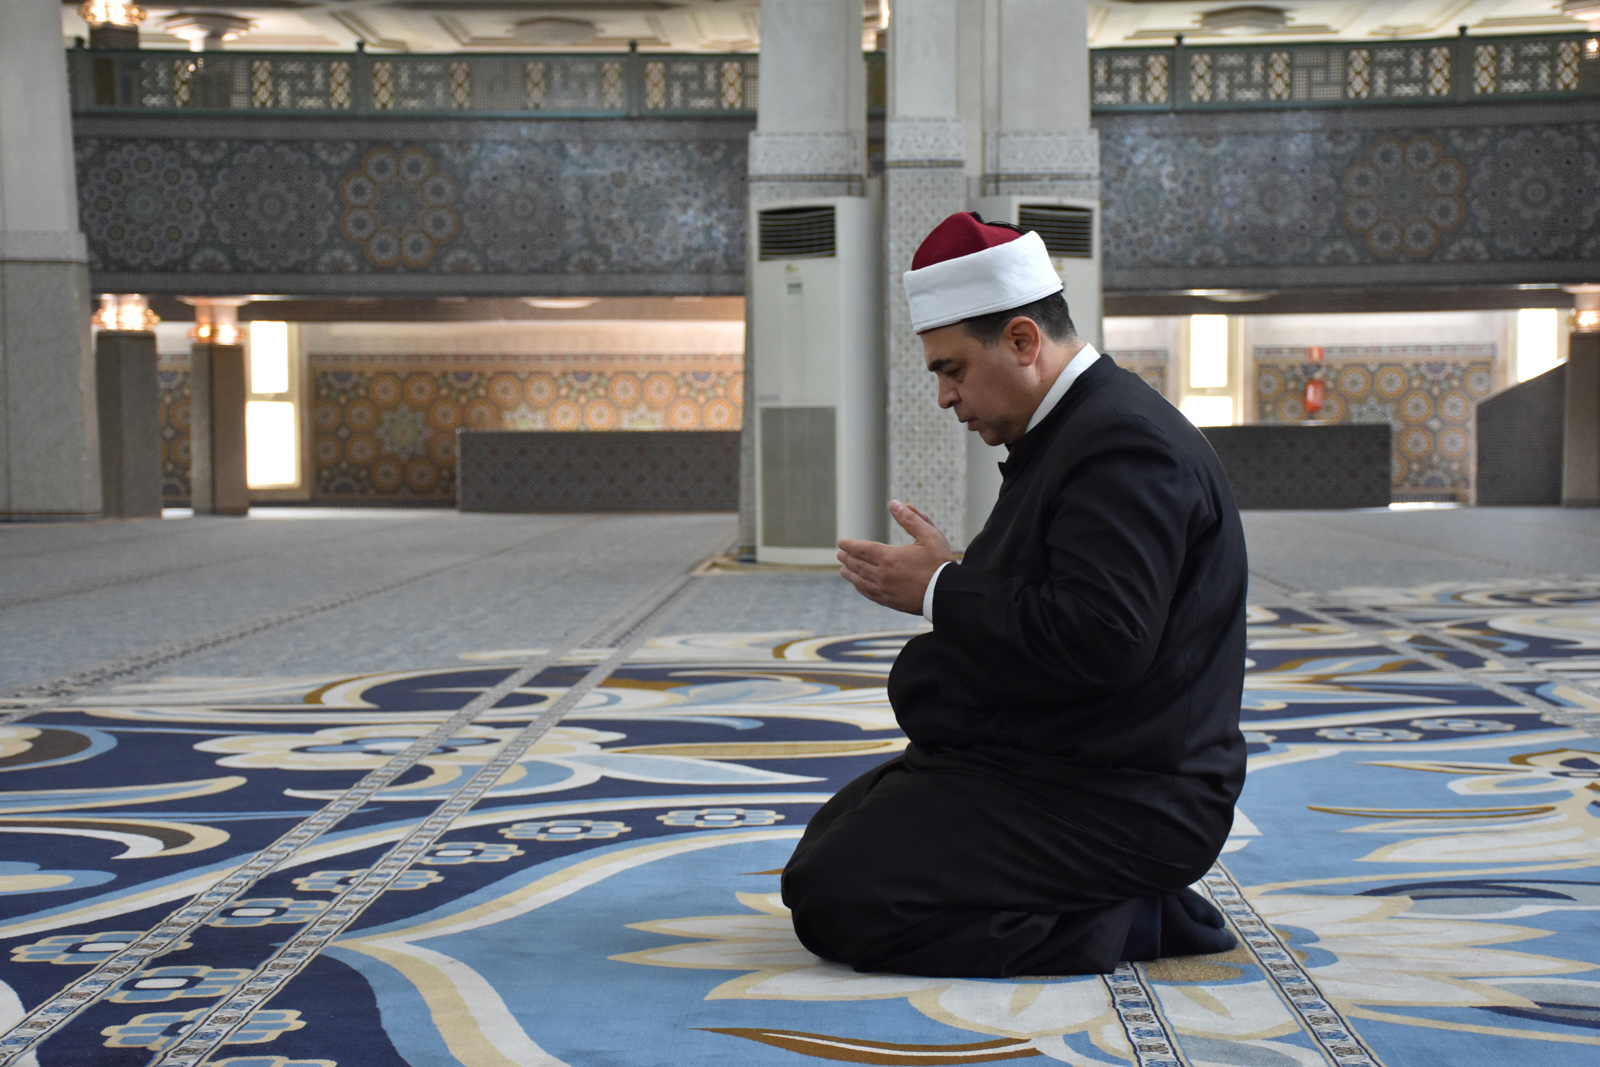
<point x="734" y="25"/>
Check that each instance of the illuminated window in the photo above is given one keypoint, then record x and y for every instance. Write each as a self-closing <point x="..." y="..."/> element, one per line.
<point x="1208" y="410"/>
<point x="1208" y="351"/>
<point x="269" y="357"/>
<point x="272" y="453"/>
<point x="271" y="457"/>
<point x="1538" y="342"/>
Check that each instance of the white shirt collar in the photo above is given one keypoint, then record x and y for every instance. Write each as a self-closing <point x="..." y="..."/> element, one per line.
<point x="1058" y="389"/>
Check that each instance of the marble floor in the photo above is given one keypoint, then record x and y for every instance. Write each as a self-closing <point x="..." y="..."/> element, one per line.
<point x="413" y="788"/>
<point x="428" y="585"/>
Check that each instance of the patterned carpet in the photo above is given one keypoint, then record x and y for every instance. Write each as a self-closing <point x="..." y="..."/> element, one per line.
<point x="1414" y="872"/>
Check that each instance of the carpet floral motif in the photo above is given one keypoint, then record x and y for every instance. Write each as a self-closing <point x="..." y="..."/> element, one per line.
<point x="1427" y="393"/>
<point x="1414" y="866"/>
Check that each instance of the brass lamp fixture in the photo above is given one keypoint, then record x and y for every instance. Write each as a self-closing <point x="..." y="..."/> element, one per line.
<point x="112" y="23"/>
<point x="1586" y="308"/>
<point x="124" y="312"/>
<point x="216" y="319"/>
<point x="206" y="31"/>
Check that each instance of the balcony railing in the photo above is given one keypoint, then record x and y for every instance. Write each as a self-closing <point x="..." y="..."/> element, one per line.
<point x="616" y="85"/>
<point x="282" y="83"/>
<point x="1449" y="71"/>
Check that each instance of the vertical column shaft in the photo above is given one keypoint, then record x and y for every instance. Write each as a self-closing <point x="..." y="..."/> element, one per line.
<point x="218" y="390"/>
<point x="49" y="449"/>
<point x="1580" y="460"/>
<point x="809" y="142"/>
<point x="924" y="181"/>
<point x="129" y="398"/>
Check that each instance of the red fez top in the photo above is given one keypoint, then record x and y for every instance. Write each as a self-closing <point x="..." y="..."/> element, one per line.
<point x="960" y="235"/>
<point x="967" y="267"/>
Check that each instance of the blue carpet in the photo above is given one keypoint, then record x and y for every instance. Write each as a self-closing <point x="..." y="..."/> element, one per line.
<point x="1414" y="873"/>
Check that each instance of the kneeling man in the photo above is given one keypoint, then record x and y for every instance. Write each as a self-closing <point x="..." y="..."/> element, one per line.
<point x="1074" y="714"/>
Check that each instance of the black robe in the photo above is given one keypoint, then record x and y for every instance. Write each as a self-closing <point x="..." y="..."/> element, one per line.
<point x="1074" y="715"/>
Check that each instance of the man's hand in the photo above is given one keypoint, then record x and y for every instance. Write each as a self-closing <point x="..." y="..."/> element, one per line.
<point x="896" y="576"/>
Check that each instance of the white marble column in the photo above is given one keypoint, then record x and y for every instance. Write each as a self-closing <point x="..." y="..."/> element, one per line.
<point x="1037" y="138"/>
<point x="1037" y="142"/>
<point x="809" y="141"/>
<point x="924" y="181"/>
<point x="49" y="442"/>
<point x="811" y="114"/>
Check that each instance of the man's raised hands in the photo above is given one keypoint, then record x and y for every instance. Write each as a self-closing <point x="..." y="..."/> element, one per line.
<point x="896" y="576"/>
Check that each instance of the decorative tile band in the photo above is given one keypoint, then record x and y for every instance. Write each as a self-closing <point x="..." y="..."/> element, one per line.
<point x="1446" y="201"/>
<point x="505" y="204"/>
<point x="1336" y="1038"/>
<point x="1136" y="1010"/>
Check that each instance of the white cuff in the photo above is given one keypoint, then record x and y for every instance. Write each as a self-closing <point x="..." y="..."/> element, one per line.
<point x="927" y="594"/>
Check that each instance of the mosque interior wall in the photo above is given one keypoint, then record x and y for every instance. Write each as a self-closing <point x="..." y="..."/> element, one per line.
<point x="382" y="401"/>
<point x="1300" y="199"/>
<point x="1422" y="373"/>
<point x="399" y="206"/>
<point x="1307" y="201"/>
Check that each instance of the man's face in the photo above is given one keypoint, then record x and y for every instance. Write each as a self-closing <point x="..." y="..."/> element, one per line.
<point x="986" y="385"/>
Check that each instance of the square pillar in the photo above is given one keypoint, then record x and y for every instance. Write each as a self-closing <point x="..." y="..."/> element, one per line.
<point x="1580" y="466"/>
<point x="129" y="401"/>
<point x="218" y="391"/>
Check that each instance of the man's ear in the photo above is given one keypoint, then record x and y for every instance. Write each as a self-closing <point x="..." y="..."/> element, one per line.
<point x="1024" y="340"/>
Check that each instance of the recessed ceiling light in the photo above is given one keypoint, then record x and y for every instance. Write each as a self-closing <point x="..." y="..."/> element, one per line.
<point x="561" y="303"/>
<point x="554" y="31"/>
<point x="1243" y="20"/>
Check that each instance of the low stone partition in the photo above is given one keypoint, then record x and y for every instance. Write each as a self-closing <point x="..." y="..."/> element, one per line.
<point x="1520" y="438"/>
<point x="629" y="470"/>
<point x="1281" y="467"/>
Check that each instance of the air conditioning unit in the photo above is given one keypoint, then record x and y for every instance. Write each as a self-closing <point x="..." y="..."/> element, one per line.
<point x="817" y="336"/>
<point x="1071" y="231"/>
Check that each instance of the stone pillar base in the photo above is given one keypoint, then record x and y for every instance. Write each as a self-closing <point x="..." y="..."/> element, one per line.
<point x="130" y="424"/>
<point x="49" y="448"/>
<point x="217" y="394"/>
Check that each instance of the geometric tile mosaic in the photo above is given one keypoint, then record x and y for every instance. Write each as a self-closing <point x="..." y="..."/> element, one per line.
<point x="384" y="427"/>
<point x="1426" y="393"/>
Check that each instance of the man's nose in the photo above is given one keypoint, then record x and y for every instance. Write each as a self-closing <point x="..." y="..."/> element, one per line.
<point x="948" y="395"/>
